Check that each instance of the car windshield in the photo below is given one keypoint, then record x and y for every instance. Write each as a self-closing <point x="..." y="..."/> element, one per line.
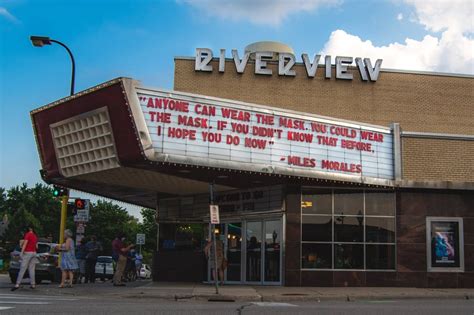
<point x="43" y="248"/>
<point x="104" y="259"/>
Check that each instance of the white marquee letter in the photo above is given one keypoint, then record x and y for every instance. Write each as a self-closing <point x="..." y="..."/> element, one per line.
<point x="240" y="64"/>
<point x="203" y="58"/>
<point x="311" y="67"/>
<point x="286" y="69"/>
<point x="341" y="68"/>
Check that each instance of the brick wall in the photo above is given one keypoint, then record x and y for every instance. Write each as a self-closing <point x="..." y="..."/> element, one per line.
<point x="435" y="159"/>
<point x="419" y="102"/>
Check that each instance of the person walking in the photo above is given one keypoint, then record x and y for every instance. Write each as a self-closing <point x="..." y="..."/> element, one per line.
<point x="92" y="248"/>
<point x="119" y="254"/>
<point x="28" y="258"/>
<point x="81" y="259"/>
<point x="211" y="256"/>
<point x="138" y="263"/>
<point x="68" y="260"/>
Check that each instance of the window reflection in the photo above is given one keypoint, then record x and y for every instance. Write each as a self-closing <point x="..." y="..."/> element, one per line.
<point x="317" y="228"/>
<point x="348" y="229"/>
<point x="380" y="230"/>
<point x="379" y="203"/>
<point x="317" y="202"/>
<point x="348" y="202"/>
<point x="317" y="256"/>
<point x="333" y="227"/>
<point x="380" y="256"/>
<point x="348" y="256"/>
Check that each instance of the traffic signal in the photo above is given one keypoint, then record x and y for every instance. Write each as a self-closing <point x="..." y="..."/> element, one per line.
<point x="59" y="191"/>
<point x="80" y="204"/>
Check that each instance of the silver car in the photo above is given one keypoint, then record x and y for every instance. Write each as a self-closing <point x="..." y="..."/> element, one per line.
<point x="104" y="268"/>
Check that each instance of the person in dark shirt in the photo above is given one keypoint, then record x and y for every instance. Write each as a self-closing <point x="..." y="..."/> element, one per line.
<point x="93" y="249"/>
<point x="119" y="254"/>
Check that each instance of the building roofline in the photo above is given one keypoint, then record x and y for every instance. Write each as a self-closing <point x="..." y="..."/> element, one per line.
<point x="389" y="70"/>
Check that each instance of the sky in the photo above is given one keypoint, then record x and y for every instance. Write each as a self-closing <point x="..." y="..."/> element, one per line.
<point x="139" y="39"/>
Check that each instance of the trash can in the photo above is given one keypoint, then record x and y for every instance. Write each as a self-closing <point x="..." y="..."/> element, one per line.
<point x="1" y="264"/>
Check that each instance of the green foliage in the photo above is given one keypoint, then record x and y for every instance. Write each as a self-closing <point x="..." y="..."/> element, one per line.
<point x="38" y="206"/>
<point x="149" y="228"/>
<point x="107" y="220"/>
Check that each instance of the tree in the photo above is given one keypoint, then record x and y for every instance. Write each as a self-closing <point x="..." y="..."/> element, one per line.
<point x="107" y="220"/>
<point x="149" y="228"/>
<point x="37" y="206"/>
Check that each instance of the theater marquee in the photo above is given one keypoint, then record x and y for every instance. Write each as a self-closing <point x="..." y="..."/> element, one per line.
<point x="219" y="133"/>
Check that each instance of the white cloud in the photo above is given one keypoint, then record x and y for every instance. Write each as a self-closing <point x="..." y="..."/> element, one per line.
<point x="263" y="12"/>
<point x="439" y="15"/>
<point x="452" y="50"/>
<point x="399" y="16"/>
<point x="4" y="12"/>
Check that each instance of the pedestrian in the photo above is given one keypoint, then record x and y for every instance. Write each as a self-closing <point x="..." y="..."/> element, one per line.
<point x="68" y="260"/>
<point x="92" y="248"/>
<point x="119" y="254"/>
<point x="28" y="258"/>
<point x="138" y="263"/>
<point x="211" y="256"/>
<point x="81" y="259"/>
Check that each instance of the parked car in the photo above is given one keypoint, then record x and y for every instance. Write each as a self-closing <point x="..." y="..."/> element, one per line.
<point x="45" y="269"/>
<point x="104" y="268"/>
<point x="145" y="272"/>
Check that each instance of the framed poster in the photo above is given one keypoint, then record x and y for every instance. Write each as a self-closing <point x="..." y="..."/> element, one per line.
<point x="445" y="244"/>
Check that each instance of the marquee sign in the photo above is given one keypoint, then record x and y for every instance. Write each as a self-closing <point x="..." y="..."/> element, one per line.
<point x="286" y="61"/>
<point x="248" y="137"/>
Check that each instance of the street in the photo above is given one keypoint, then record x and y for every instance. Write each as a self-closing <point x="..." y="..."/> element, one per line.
<point x="35" y="302"/>
<point x="103" y="298"/>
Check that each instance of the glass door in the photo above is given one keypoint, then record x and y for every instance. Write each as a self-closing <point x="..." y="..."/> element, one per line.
<point x="233" y="251"/>
<point x="272" y="255"/>
<point x="254" y="251"/>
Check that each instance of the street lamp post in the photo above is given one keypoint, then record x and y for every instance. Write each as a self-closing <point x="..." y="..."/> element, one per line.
<point x="40" y="41"/>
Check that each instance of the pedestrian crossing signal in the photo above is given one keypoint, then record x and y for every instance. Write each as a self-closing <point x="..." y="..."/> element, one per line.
<point x="80" y="204"/>
<point x="59" y="191"/>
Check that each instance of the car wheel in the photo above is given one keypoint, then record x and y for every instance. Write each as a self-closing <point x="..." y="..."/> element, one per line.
<point x="13" y="277"/>
<point x="38" y="280"/>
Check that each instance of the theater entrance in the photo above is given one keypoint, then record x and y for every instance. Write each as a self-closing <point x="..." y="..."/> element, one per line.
<point x="253" y="251"/>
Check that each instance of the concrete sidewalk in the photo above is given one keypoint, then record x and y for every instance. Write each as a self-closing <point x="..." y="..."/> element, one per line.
<point x="281" y="294"/>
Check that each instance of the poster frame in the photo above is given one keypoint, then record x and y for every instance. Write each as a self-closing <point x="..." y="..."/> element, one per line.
<point x="429" y="222"/>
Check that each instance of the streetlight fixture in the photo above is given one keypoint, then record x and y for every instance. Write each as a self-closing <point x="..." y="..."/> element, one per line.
<point x="40" y="41"/>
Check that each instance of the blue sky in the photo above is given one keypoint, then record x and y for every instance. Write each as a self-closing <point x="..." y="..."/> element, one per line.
<point x="140" y="38"/>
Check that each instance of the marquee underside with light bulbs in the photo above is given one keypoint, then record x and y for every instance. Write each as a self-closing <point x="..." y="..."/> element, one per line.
<point x="135" y="144"/>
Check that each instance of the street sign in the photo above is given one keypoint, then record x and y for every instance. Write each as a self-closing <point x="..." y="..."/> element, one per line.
<point x="80" y="228"/>
<point x="82" y="216"/>
<point x="140" y="239"/>
<point x="214" y="214"/>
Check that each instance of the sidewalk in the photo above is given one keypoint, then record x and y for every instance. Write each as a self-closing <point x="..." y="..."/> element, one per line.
<point x="178" y="291"/>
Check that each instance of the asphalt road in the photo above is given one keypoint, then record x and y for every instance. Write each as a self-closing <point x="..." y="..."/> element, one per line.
<point x="71" y="301"/>
<point x="30" y="302"/>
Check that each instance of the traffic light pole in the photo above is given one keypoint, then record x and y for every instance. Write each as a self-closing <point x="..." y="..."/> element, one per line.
<point x="62" y="225"/>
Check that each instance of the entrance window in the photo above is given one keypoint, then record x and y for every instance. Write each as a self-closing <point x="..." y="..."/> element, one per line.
<point x="345" y="229"/>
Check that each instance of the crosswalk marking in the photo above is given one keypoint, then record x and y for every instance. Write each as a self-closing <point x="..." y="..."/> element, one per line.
<point x="274" y="304"/>
<point x="34" y="297"/>
<point x="24" y="302"/>
<point x="28" y="299"/>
